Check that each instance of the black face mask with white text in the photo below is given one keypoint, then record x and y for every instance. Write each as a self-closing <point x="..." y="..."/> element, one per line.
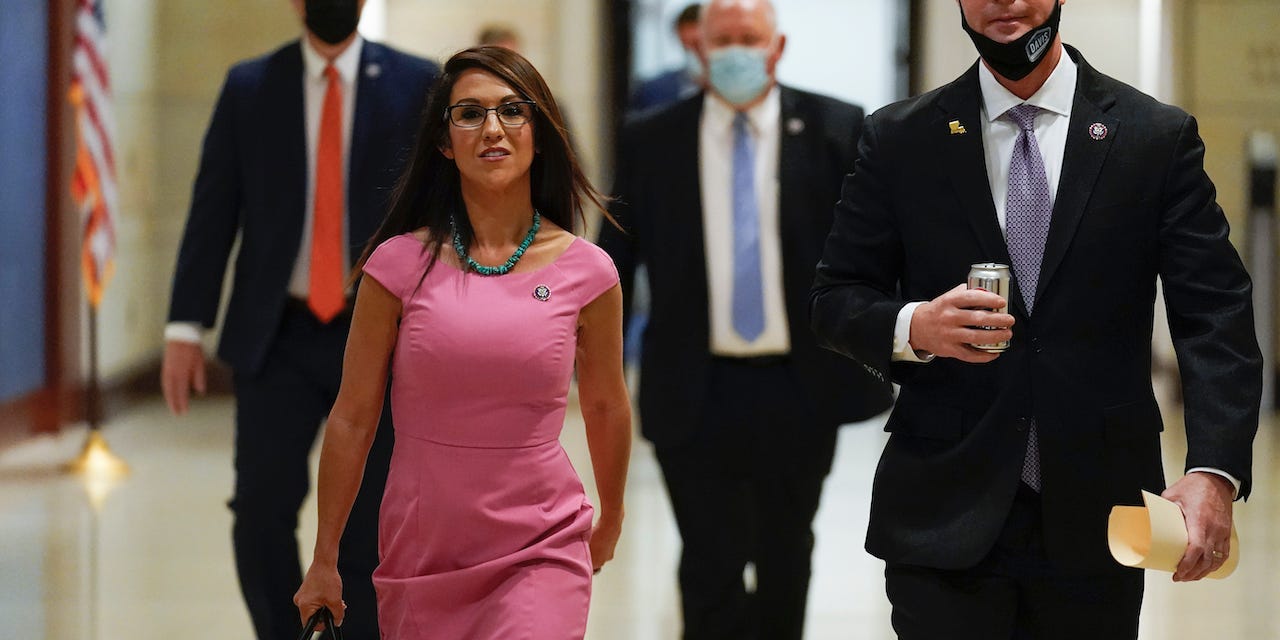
<point x="1015" y="60"/>
<point x="332" y="20"/>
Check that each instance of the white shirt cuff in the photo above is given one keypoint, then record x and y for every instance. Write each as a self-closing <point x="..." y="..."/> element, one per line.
<point x="183" y="332"/>
<point x="1234" y="483"/>
<point x="902" y="351"/>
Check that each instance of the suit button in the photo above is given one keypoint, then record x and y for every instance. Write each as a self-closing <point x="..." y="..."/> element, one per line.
<point x="1021" y="424"/>
<point x="1035" y="345"/>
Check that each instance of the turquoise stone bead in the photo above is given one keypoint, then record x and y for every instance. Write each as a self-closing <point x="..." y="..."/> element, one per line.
<point x="504" y="268"/>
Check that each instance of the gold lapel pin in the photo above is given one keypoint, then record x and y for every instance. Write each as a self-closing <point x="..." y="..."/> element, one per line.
<point x="957" y="129"/>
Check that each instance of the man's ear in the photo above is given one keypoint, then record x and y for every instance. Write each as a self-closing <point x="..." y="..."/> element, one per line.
<point x="772" y="63"/>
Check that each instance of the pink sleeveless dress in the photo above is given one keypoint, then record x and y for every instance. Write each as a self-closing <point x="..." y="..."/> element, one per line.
<point x="484" y="524"/>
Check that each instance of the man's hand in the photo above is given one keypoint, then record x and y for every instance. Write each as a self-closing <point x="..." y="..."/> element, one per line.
<point x="1205" y="499"/>
<point x="183" y="369"/>
<point x="944" y="326"/>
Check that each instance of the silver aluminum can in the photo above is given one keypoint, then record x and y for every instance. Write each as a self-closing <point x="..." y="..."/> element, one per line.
<point x="993" y="277"/>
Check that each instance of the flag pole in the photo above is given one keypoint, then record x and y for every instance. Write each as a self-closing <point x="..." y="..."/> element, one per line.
<point x="96" y="460"/>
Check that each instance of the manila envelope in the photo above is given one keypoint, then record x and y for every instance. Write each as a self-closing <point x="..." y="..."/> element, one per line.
<point x="1155" y="537"/>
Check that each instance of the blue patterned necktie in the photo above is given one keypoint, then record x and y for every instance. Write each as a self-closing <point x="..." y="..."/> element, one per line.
<point x="1027" y="212"/>
<point x="748" y="300"/>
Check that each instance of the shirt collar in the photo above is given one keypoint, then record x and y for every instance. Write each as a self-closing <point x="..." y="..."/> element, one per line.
<point x="1055" y="95"/>
<point x="718" y="113"/>
<point x="347" y="62"/>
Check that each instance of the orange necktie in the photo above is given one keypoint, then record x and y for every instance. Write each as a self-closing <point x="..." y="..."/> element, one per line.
<point x="325" y="291"/>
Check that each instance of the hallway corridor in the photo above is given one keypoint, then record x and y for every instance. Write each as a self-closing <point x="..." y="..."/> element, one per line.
<point x="156" y="561"/>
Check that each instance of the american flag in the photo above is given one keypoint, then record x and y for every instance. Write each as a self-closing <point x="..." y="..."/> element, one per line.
<point x="93" y="185"/>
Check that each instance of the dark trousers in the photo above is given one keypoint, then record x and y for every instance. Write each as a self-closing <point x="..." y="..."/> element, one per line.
<point x="1014" y="593"/>
<point x="279" y="411"/>
<point x="745" y="490"/>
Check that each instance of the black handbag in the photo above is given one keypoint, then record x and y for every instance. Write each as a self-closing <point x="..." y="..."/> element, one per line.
<point x="330" y="630"/>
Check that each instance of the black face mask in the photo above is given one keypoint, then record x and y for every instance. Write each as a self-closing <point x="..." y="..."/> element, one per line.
<point x="1014" y="60"/>
<point x="332" y="20"/>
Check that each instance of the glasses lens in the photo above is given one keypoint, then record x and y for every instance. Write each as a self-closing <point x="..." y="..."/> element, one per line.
<point x="467" y="115"/>
<point x="514" y="113"/>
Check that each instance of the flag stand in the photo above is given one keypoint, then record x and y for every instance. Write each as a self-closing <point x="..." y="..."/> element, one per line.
<point x="94" y="168"/>
<point x="96" y="460"/>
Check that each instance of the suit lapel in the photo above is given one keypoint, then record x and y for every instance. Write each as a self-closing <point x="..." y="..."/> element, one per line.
<point x="958" y="130"/>
<point x="686" y="176"/>
<point x="285" y="128"/>
<point x="1081" y="164"/>
<point x="369" y="86"/>
<point x="793" y="165"/>
<point x="366" y="84"/>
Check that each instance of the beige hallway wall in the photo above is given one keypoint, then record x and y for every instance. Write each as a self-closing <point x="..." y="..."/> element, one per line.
<point x="167" y="60"/>
<point x="1231" y="81"/>
<point x="1230" y="73"/>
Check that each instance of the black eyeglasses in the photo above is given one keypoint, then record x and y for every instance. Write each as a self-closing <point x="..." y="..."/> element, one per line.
<point x="470" y="116"/>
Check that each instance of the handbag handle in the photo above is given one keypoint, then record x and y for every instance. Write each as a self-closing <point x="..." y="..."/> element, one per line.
<point x="321" y="615"/>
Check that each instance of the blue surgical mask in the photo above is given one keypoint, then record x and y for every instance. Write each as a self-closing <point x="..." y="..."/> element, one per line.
<point x="738" y="74"/>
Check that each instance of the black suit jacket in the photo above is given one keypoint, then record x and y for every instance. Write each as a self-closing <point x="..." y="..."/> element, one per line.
<point x="253" y="183"/>
<point x="660" y="206"/>
<point x="1134" y="205"/>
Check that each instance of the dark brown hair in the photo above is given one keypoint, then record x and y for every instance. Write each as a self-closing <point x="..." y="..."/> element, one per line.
<point x="690" y="15"/>
<point x="429" y="191"/>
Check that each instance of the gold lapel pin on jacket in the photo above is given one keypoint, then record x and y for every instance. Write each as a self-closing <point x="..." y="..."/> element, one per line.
<point x="957" y="129"/>
<point x="795" y="126"/>
<point x="1097" y="131"/>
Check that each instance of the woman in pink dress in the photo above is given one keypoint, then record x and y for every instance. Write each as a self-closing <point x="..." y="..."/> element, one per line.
<point x="480" y="303"/>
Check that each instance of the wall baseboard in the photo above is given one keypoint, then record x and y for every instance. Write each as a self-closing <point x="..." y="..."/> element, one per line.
<point x="48" y="410"/>
<point x="25" y="416"/>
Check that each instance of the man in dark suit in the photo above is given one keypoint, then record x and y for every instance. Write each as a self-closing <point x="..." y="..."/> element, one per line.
<point x="990" y="502"/>
<point x="303" y="149"/>
<point x="725" y="197"/>
<point x="674" y="84"/>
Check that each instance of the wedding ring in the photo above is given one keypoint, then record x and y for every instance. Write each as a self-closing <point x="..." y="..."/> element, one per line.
<point x="1217" y="555"/>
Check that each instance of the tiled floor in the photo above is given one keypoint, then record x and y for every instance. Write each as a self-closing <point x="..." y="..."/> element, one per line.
<point x="155" y="560"/>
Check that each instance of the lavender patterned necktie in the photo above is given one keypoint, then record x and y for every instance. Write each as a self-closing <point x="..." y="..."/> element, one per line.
<point x="1027" y="212"/>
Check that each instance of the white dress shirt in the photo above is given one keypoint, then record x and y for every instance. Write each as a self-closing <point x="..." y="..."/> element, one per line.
<point x="315" y="84"/>
<point x="715" y="158"/>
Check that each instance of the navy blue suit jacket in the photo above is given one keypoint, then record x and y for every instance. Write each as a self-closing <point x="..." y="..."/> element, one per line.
<point x="661" y="90"/>
<point x="253" y="183"/>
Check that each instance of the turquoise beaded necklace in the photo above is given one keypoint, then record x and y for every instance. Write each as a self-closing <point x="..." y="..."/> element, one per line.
<point x="503" y="268"/>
